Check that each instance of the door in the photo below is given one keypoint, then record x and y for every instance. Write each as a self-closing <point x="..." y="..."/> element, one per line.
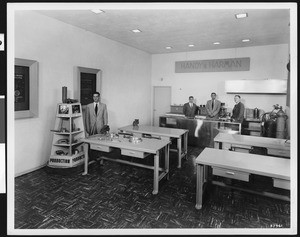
<point x="161" y="103"/>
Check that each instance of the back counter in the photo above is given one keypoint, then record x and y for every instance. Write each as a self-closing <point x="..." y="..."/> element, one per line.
<point x="202" y="131"/>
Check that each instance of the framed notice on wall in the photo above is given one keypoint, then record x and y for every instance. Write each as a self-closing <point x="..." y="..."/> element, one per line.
<point x="26" y="88"/>
<point x="21" y="88"/>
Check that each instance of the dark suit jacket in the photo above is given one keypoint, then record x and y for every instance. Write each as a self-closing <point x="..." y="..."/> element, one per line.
<point x="189" y="111"/>
<point x="94" y="122"/>
<point x="213" y="111"/>
<point x="238" y="112"/>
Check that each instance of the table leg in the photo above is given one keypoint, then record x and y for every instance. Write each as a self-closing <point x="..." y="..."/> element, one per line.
<point x="217" y="145"/>
<point x="206" y="173"/>
<point x="179" y="151"/>
<point x="199" y="186"/>
<point x="185" y="143"/>
<point x="86" y="158"/>
<point x="156" y="173"/>
<point x="101" y="161"/>
<point x="167" y="152"/>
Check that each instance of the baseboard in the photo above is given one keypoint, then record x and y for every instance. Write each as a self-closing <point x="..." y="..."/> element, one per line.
<point x="30" y="170"/>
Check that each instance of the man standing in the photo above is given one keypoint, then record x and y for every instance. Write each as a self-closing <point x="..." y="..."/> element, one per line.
<point x="213" y="107"/>
<point x="96" y="115"/>
<point x="238" y="110"/>
<point x="190" y="109"/>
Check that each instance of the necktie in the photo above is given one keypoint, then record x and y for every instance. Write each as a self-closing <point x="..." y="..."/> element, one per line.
<point x="191" y="105"/>
<point x="212" y="105"/>
<point x="96" y="108"/>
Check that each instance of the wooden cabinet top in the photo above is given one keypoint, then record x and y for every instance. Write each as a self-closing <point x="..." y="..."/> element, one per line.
<point x="245" y="162"/>
<point x="159" y="131"/>
<point x="147" y="145"/>
<point x="268" y="142"/>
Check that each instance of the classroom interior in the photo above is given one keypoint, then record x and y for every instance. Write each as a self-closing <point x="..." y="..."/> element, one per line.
<point x="116" y="198"/>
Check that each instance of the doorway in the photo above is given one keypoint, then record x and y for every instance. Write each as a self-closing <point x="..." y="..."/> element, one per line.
<point x="86" y="82"/>
<point x="161" y="102"/>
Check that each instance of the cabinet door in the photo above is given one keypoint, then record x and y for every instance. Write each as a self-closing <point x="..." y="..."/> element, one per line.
<point x="252" y="128"/>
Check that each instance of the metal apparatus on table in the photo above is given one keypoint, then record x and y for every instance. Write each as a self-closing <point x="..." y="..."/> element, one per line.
<point x="135" y="140"/>
<point x="110" y="136"/>
<point x="223" y="111"/>
<point x="256" y="113"/>
<point x="274" y="123"/>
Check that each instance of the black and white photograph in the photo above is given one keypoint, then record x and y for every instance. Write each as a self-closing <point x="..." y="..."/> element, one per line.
<point x="166" y="118"/>
<point x="2" y="144"/>
<point x="2" y="120"/>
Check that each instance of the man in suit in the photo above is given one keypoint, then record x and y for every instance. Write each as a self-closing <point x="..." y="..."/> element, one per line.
<point x="213" y="107"/>
<point x="238" y="110"/>
<point x="95" y="116"/>
<point x="190" y="109"/>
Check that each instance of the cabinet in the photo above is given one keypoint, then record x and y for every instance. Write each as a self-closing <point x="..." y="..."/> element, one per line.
<point x="201" y="131"/>
<point x="251" y="127"/>
<point x="202" y="110"/>
<point x="67" y="147"/>
<point x="177" y="109"/>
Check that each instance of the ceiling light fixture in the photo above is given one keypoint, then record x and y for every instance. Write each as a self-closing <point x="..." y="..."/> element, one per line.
<point x="216" y="42"/>
<point x="245" y="40"/>
<point x="241" y="15"/>
<point x="191" y="45"/>
<point x="136" y="31"/>
<point x="168" y="47"/>
<point x="97" y="11"/>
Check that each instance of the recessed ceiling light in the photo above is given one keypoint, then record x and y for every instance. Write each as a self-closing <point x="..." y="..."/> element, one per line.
<point x="216" y="42"/>
<point x="245" y="40"/>
<point x="241" y="15"/>
<point x="97" y="11"/>
<point x="168" y="47"/>
<point x="136" y="31"/>
<point x="191" y="45"/>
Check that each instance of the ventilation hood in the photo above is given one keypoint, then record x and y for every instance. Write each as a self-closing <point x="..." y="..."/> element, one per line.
<point x="264" y="86"/>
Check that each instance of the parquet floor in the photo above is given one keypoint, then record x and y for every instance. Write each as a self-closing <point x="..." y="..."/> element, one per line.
<point x="119" y="196"/>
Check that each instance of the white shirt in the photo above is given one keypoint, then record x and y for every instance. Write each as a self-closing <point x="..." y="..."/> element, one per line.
<point x="95" y="105"/>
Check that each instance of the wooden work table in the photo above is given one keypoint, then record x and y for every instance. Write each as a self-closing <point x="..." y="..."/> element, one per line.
<point x="138" y="150"/>
<point x="236" y="165"/>
<point x="181" y="135"/>
<point x="274" y="146"/>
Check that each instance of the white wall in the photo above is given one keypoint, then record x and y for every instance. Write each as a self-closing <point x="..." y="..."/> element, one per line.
<point x="127" y="77"/>
<point x="59" y="47"/>
<point x="266" y="62"/>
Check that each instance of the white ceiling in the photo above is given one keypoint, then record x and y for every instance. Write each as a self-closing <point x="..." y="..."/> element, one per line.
<point x="180" y="27"/>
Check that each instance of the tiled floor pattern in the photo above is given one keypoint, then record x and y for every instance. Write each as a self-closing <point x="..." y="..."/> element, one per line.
<point x="120" y="196"/>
